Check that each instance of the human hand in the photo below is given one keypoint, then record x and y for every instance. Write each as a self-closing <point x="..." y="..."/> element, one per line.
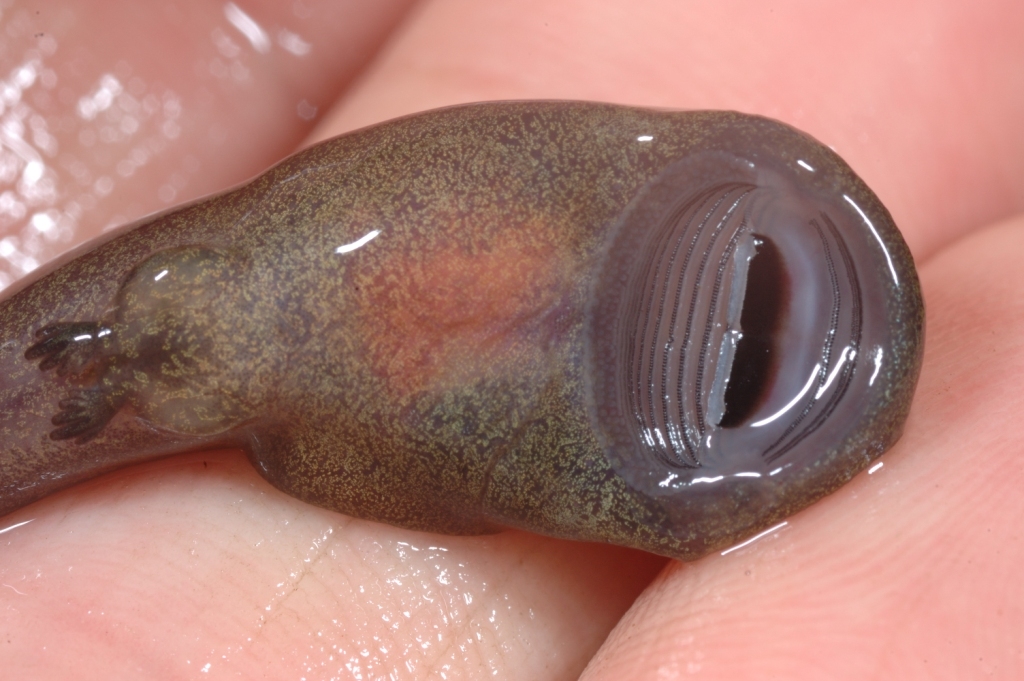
<point x="160" y="570"/>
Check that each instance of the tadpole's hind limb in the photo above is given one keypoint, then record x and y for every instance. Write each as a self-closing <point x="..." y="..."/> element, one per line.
<point x="70" y="348"/>
<point x="83" y="414"/>
<point x="67" y="347"/>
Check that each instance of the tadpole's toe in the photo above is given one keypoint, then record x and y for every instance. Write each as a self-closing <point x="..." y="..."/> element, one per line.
<point x="66" y="346"/>
<point x="82" y="415"/>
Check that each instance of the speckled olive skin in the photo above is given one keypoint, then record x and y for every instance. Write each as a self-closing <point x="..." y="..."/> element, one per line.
<point x="435" y="377"/>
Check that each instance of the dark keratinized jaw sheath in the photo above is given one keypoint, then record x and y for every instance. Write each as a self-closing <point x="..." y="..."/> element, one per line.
<point x="658" y="329"/>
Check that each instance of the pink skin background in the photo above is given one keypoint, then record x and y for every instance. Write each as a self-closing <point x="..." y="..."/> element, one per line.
<point x="195" y="568"/>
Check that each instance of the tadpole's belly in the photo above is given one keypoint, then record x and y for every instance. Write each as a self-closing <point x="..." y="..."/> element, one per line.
<point x="663" y="330"/>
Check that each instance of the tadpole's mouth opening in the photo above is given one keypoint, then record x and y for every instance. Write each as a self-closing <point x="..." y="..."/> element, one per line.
<point x="756" y="359"/>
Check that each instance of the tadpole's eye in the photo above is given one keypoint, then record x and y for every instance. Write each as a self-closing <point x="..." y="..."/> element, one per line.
<point x="738" y="326"/>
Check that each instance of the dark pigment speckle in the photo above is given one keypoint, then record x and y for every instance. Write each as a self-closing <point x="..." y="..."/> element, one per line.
<point x="662" y="330"/>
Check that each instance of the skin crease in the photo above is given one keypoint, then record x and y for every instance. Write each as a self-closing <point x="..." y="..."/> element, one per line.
<point x="910" y="572"/>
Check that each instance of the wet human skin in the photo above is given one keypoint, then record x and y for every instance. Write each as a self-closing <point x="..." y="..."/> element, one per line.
<point x="533" y="315"/>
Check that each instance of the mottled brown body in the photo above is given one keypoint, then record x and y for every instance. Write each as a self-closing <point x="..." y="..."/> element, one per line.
<point x="395" y="325"/>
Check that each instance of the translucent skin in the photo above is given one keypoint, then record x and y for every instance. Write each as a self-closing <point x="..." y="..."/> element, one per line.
<point x="404" y="324"/>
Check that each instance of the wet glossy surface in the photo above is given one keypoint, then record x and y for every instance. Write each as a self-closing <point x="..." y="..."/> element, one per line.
<point x="704" y="382"/>
<point x="663" y="330"/>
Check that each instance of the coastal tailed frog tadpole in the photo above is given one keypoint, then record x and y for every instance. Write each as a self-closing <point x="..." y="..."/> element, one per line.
<point x="666" y="330"/>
